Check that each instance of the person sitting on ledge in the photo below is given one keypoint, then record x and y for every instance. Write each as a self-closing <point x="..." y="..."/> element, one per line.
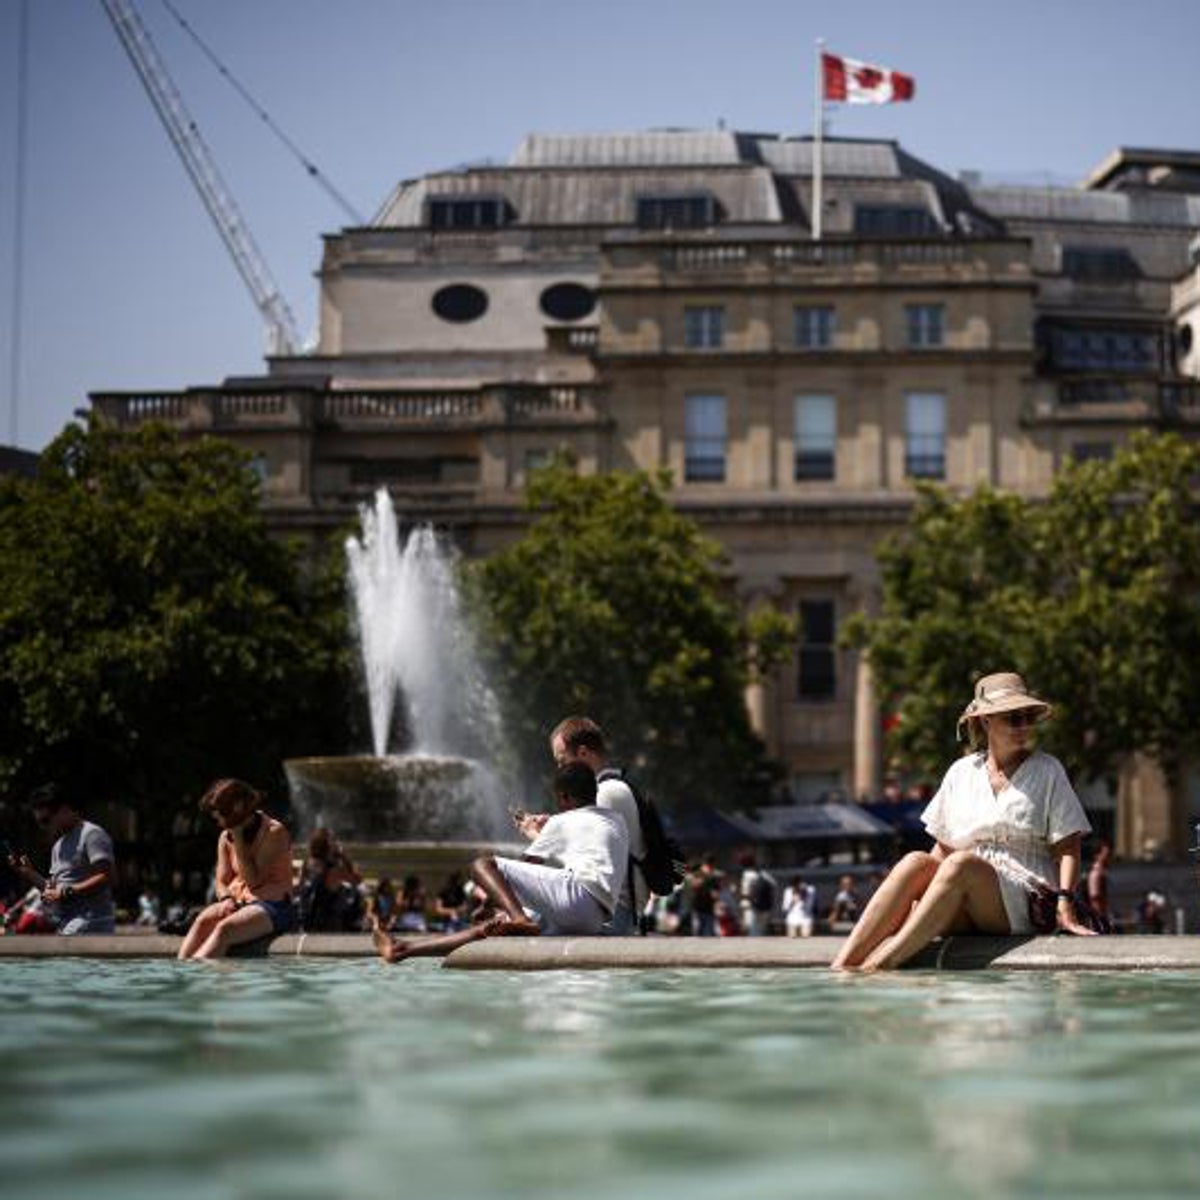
<point x="254" y="874"/>
<point x="566" y="883"/>
<point x="77" y="896"/>
<point x="1007" y="826"/>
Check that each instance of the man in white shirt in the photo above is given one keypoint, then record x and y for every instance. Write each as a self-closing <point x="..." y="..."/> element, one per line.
<point x="567" y="882"/>
<point x="581" y="740"/>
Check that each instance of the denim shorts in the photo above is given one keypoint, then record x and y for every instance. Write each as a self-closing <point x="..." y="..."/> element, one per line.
<point x="281" y="912"/>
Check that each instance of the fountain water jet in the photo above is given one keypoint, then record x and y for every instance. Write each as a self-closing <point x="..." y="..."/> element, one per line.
<point x="419" y="664"/>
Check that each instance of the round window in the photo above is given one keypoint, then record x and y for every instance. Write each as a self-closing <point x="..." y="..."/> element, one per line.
<point x="568" y="301"/>
<point x="460" y="302"/>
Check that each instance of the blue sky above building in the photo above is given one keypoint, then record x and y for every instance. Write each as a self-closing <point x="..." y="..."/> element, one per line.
<point x="126" y="284"/>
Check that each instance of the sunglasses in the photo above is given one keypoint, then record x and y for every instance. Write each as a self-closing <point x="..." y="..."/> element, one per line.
<point x="1022" y="718"/>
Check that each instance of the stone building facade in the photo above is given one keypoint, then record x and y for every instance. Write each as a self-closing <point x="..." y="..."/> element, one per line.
<point x="655" y="300"/>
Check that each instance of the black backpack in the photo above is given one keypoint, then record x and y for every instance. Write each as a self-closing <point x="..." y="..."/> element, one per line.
<point x="663" y="867"/>
<point x="762" y="894"/>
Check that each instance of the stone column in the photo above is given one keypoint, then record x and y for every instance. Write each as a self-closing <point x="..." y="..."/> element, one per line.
<point x="1150" y="816"/>
<point x="868" y="780"/>
<point x="762" y="692"/>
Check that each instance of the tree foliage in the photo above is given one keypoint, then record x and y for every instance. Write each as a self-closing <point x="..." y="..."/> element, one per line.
<point x="152" y="635"/>
<point x="1091" y="593"/>
<point x="612" y="604"/>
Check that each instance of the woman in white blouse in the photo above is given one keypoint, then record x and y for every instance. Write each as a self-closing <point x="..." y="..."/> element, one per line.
<point x="1006" y="823"/>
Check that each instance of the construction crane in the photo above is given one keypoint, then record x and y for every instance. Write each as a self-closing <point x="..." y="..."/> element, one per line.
<point x="283" y="336"/>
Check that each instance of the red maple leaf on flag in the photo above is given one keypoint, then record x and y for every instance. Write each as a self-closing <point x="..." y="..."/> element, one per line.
<point x="868" y="77"/>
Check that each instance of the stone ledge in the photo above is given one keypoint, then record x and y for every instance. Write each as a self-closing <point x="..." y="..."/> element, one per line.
<point x="1126" y="953"/>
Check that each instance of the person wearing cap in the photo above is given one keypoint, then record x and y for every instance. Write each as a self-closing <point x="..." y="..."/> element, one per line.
<point x="77" y="893"/>
<point x="254" y="874"/>
<point x="1007" y="827"/>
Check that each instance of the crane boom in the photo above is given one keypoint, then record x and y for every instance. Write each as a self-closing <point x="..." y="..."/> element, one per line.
<point x="202" y="168"/>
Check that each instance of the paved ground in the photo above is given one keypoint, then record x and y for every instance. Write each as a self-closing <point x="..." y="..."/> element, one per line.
<point x="1127" y="953"/>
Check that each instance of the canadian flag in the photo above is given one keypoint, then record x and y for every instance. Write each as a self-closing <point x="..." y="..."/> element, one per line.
<point x="854" y="82"/>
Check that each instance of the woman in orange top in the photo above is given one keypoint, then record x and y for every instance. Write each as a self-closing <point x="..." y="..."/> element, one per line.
<point x="254" y="874"/>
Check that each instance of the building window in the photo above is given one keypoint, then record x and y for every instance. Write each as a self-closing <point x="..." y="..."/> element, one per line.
<point x="468" y="212"/>
<point x="535" y="460"/>
<point x="695" y="210"/>
<point x="567" y="301"/>
<point x="1092" y="451"/>
<point x="818" y="650"/>
<point x="460" y="303"/>
<point x="704" y="454"/>
<point x="925" y="435"/>
<point x="1099" y="264"/>
<point x="925" y="323"/>
<point x="703" y="328"/>
<point x="812" y="328"/>
<point x="814" y="437"/>
<point x="1102" y="350"/>
<point x="888" y="220"/>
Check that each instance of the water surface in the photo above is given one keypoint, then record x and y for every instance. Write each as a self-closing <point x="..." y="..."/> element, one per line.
<point x="134" y="1080"/>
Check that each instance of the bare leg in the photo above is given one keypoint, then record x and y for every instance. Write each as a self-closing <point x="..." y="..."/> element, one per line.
<point x="201" y="929"/>
<point x="244" y="926"/>
<point x="394" y="950"/>
<point x="888" y="908"/>
<point x="489" y="877"/>
<point x="964" y="893"/>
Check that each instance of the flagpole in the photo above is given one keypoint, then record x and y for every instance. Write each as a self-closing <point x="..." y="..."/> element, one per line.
<point x="818" y="142"/>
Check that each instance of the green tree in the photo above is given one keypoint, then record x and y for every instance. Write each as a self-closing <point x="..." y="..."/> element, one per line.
<point x="612" y="604"/>
<point x="152" y="635"/>
<point x="1090" y="592"/>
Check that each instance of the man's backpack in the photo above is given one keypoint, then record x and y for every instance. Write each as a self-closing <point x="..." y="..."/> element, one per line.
<point x="663" y="865"/>
<point x="762" y="893"/>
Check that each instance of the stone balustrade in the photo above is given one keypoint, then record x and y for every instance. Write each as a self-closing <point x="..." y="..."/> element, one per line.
<point x="216" y="410"/>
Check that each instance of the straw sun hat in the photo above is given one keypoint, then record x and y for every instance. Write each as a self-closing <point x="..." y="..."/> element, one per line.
<point x="1000" y="693"/>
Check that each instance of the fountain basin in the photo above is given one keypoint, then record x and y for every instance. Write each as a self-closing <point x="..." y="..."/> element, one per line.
<point x="369" y="801"/>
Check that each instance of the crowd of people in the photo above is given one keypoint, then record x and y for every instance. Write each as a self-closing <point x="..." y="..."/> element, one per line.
<point x="1006" y="826"/>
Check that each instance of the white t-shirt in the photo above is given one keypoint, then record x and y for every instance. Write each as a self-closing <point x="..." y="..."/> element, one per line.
<point x="616" y="796"/>
<point x="592" y="844"/>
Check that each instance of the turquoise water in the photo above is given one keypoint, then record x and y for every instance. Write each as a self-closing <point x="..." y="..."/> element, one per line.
<point x="352" y="1079"/>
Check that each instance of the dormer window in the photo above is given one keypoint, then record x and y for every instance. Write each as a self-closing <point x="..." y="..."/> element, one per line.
<point x="469" y="212"/>
<point x="893" y="220"/>
<point x="692" y="210"/>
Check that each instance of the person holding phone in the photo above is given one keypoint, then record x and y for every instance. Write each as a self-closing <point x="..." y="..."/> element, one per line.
<point x="254" y="874"/>
<point x="77" y="893"/>
<point x="1007" y="829"/>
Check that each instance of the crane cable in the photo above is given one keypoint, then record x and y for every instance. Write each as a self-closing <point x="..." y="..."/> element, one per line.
<point x="313" y="170"/>
<point x="18" y="258"/>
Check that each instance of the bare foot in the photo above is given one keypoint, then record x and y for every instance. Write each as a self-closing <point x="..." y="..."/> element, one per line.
<point x="506" y="926"/>
<point x="390" y="949"/>
<point x="878" y="959"/>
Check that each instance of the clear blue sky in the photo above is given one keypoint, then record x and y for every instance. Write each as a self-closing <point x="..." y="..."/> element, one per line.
<point x="127" y="285"/>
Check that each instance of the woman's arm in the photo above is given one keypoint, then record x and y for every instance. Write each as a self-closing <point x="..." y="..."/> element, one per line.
<point x="1067" y="853"/>
<point x="241" y="840"/>
<point x="225" y="871"/>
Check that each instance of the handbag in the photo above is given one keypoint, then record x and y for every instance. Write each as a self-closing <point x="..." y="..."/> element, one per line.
<point x="1043" y="910"/>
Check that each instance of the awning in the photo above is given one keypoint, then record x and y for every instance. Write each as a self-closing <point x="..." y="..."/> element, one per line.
<point x="904" y="817"/>
<point x="810" y="822"/>
<point x="702" y="828"/>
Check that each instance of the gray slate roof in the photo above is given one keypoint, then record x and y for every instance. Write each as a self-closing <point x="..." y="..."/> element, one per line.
<point x="1076" y="204"/>
<point x="595" y="179"/>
